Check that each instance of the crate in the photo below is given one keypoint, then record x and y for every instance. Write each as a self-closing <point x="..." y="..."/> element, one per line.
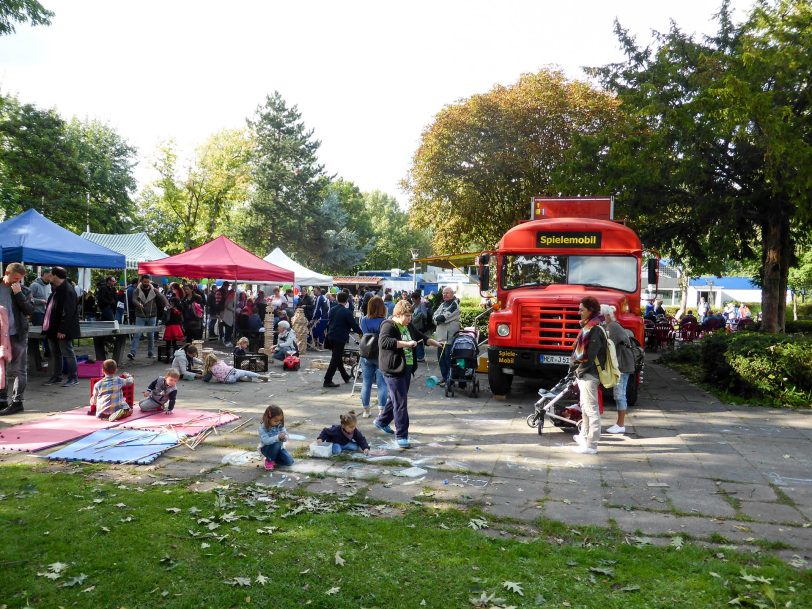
<point x="164" y="353"/>
<point x="89" y="370"/>
<point x="255" y="362"/>
<point x="127" y="390"/>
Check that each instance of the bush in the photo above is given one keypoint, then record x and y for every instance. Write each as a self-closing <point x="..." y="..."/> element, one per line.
<point x="774" y="368"/>
<point x="468" y="316"/>
<point x="802" y="326"/>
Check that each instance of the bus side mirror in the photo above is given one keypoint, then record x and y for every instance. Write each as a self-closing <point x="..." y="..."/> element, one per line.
<point x="484" y="272"/>
<point x="652" y="271"/>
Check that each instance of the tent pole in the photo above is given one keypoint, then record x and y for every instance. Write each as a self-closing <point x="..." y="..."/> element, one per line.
<point x="126" y="300"/>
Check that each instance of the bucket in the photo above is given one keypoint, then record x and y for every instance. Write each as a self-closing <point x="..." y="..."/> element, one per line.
<point x="432" y="381"/>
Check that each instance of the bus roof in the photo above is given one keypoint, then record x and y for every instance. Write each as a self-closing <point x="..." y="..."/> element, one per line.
<point x="571" y="236"/>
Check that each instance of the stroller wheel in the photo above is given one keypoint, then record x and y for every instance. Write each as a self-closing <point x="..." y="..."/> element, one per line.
<point x="532" y="421"/>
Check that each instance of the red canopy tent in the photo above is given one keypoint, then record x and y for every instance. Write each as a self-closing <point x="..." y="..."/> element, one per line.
<point x="221" y="258"/>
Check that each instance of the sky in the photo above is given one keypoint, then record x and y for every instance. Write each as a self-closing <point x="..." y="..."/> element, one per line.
<point x="368" y="77"/>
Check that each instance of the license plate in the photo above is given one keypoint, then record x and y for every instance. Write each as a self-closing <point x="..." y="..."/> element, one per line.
<point x="554" y="359"/>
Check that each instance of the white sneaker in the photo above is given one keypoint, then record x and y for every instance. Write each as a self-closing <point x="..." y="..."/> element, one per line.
<point x="365" y="414"/>
<point x="616" y="429"/>
<point x="584" y="450"/>
<point x="581" y="440"/>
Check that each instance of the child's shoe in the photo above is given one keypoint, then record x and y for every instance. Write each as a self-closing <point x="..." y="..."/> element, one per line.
<point x="122" y="413"/>
<point x="269" y="465"/>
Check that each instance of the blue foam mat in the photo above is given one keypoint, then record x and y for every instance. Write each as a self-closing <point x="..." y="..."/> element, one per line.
<point x="118" y="446"/>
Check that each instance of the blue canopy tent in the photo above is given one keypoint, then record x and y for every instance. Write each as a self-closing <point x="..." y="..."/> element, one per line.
<point x="34" y="239"/>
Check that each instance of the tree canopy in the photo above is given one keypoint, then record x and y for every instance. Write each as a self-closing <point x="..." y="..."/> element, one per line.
<point x="482" y="159"/>
<point x="55" y="167"/>
<point x="22" y="11"/>
<point x="714" y="161"/>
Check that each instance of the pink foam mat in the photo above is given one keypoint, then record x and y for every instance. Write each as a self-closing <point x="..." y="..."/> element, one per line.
<point x="56" y="429"/>
<point x="184" y="421"/>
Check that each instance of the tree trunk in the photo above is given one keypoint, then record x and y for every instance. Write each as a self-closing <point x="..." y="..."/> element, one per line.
<point x="776" y="257"/>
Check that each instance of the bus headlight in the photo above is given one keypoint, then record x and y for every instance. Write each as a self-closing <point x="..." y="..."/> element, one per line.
<point x="503" y="329"/>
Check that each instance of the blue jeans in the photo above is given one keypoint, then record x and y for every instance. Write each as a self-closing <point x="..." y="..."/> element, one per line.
<point x="420" y="351"/>
<point x="444" y="359"/>
<point x="337" y="448"/>
<point x="144" y="321"/>
<point x="371" y="371"/>
<point x="61" y="348"/>
<point x="276" y="452"/>
<point x="238" y="373"/>
<point x="619" y="391"/>
<point x="397" y="406"/>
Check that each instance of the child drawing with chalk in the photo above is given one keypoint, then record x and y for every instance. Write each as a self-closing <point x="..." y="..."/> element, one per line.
<point x="345" y="435"/>
<point x="272" y="437"/>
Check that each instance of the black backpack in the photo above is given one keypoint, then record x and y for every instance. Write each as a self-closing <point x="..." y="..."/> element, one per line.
<point x="369" y="346"/>
<point x="637" y="352"/>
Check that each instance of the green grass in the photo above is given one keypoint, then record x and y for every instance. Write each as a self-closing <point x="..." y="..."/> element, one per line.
<point x="135" y="553"/>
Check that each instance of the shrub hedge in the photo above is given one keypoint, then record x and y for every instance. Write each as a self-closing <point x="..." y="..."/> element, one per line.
<point x="468" y="315"/>
<point x="772" y="368"/>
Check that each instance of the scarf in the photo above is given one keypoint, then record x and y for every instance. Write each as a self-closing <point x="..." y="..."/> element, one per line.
<point x="579" y="353"/>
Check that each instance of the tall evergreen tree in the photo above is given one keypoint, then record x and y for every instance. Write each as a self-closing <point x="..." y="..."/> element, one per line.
<point x="289" y="181"/>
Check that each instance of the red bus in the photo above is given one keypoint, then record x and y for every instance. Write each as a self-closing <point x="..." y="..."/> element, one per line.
<point x="539" y="272"/>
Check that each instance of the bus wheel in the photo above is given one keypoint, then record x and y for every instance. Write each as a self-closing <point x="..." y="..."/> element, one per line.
<point x="632" y="389"/>
<point x="499" y="381"/>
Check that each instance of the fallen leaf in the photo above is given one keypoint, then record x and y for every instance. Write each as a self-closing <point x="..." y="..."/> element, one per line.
<point x="630" y="588"/>
<point x="478" y="523"/>
<point x="204" y="545"/>
<point x="603" y="571"/>
<point x="261" y="579"/>
<point x="90" y="589"/>
<point x="333" y="591"/>
<point x="239" y="581"/>
<point x="105" y="530"/>
<point x="75" y="581"/>
<point x="513" y="587"/>
<point x="339" y="561"/>
<point x="677" y="542"/>
<point x="173" y="510"/>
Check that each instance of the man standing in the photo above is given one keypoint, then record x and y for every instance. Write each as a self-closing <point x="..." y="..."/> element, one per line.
<point x="447" y="320"/>
<point x="61" y="326"/>
<point x="16" y="298"/>
<point x="146" y="298"/>
<point x="40" y="291"/>
<point x="106" y="299"/>
<point x="342" y="322"/>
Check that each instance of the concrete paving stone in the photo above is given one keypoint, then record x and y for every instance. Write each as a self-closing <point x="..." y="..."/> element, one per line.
<point x="186" y="469"/>
<point x="510" y="507"/>
<point x="577" y="513"/>
<point x="701" y="502"/>
<point x="772" y="512"/>
<point x="749" y="492"/>
<point x="236" y="473"/>
<point x="521" y="489"/>
<point x="311" y="467"/>
<point x="796" y="537"/>
<point x="394" y="493"/>
<point x="657" y="523"/>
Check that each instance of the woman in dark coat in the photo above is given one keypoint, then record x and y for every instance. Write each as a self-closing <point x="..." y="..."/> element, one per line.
<point x="396" y="359"/>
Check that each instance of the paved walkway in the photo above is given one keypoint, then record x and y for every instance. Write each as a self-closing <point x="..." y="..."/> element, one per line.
<point x="689" y="464"/>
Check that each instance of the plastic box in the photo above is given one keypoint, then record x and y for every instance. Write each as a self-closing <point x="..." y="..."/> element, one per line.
<point x="255" y="362"/>
<point x="322" y="451"/>
<point x="89" y="370"/>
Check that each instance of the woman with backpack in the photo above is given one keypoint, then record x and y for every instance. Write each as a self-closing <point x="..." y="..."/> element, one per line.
<point x="625" y="360"/>
<point x="589" y="348"/>
<point x="371" y="327"/>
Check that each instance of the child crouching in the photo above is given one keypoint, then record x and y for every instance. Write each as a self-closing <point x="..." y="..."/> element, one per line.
<point x="107" y="399"/>
<point x="272" y="437"/>
<point x="345" y="435"/>
<point x="161" y="393"/>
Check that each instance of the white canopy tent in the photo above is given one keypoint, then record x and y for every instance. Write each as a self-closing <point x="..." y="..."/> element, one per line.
<point x="304" y="276"/>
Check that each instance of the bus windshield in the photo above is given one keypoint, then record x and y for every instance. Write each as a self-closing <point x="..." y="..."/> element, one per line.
<point x="524" y="270"/>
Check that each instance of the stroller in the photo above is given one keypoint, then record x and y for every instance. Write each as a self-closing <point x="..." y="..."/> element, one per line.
<point x="561" y="405"/>
<point x="464" y="359"/>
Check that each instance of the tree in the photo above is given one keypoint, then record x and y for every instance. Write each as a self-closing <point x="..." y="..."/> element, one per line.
<point x="482" y="160"/>
<point x="53" y="166"/>
<point x="22" y="11"/>
<point x="184" y="208"/>
<point x="340" y="235"/>
<point x="394" y="236"/>
<point x="715" y="162"/>
<point x="289" y="182"/>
